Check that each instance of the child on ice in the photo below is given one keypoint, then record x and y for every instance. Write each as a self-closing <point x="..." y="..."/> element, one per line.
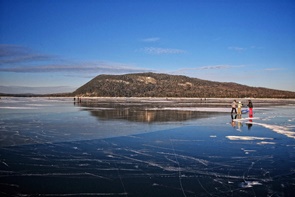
<point x="240" y="108"/>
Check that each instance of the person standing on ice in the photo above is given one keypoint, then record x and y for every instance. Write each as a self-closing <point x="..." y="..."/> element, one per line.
<point x="250" y="105"/>
<point x="240" y="108"/>
<point x="234" y="106"/>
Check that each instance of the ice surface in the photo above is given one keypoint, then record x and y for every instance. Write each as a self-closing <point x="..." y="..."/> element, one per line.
<point x="55" y="148"/>
<point x="284" y="130"/>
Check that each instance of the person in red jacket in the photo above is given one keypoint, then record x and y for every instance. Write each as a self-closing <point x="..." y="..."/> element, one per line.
<point x="250" y="105"/>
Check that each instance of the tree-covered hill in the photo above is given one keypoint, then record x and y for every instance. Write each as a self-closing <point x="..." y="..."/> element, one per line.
<point x="164" y="85"/>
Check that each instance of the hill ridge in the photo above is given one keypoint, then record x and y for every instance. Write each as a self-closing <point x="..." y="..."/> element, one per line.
<point x="164" y="85"/>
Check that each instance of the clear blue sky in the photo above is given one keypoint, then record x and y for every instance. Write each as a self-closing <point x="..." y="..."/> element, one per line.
<point x="65" y="43"/>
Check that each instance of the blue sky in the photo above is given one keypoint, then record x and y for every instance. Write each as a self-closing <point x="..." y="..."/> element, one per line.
<point x="63" y="44"/>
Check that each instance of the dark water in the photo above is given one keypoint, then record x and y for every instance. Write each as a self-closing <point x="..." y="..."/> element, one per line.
<point x="55" y="148"/>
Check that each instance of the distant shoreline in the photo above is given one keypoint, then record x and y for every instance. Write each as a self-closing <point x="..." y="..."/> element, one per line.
<point x="194" y="102"/>
<point x="169" y="101"/>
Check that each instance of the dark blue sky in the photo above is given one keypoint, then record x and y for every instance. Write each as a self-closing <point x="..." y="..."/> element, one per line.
<point x="68" y="42"/>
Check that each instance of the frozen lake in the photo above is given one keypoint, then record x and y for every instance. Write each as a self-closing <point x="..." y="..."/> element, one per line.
<point x="54" y="147"/>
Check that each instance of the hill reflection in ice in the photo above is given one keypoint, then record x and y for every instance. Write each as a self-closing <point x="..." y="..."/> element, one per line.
<point x="149" y="115"/>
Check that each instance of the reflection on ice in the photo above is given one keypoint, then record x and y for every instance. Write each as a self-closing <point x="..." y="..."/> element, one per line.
<point x="149" y="116"/>
<point x="49" y="121"/>
<point x="200" y="109"/>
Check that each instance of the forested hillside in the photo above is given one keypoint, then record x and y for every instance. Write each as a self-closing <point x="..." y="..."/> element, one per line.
<point x="164" y="85"/>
